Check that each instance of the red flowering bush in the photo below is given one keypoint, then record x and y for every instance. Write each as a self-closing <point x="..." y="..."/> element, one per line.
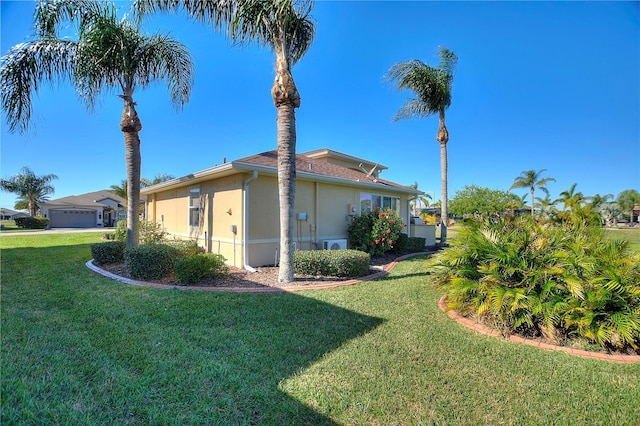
<point x="375" y="232"/>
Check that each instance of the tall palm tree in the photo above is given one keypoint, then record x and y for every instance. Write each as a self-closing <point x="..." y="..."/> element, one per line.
<point x="32" y="190"/>
<point x="531" y="179"/>
<point x="109" y="54"/>
<point x="432" y="87"/>
<point x="287" y="28"/>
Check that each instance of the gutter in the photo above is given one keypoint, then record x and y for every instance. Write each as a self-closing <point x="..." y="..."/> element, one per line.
<point x="245" y="225"/>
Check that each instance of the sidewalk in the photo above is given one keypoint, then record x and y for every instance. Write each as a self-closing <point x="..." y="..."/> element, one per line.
<point x="55" y="231"/>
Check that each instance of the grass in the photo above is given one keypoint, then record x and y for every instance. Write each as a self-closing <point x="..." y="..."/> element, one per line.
<point x="78" y="348"/>
<point x="630" y="234"/>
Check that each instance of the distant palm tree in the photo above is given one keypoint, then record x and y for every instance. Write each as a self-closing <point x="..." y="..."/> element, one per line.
<point x="571" y="199"/>
<point x="32" y="190"/>
<point x="416" y="200"/>
<point x="287" y="28"/>
<point x="531" y="180"/>
<point x="432" y="87"/>
<point x="598" y="200"/>
<point x="109" y="54"/>
<point x="121" y="190"/>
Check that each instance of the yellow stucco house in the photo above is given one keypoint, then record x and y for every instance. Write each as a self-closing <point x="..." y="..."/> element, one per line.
<point x="233" y="208"/>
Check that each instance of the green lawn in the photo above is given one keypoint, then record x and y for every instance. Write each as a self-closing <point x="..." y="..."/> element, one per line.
<point x="630" y="234"/>
<point x="78" y="348"/>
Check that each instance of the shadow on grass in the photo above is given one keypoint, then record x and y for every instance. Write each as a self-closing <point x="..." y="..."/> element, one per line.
<point x="77" y="349"/>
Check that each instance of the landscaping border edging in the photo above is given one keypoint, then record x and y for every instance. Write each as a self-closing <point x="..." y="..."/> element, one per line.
<point x="482" y="329"/>
<point x="265" y="289"/>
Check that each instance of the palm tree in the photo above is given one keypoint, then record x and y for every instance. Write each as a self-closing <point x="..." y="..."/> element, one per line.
<point x="416" y="200"/>
<point x="571" y="199"/>
<point x="121" y="190"/>
<point x="598" y="200"/>
<point x="531" y="179"/>
<point x="32" y="190"/>
<point x="287" y="28"/>
<point x="432" y="87"/>
<point x="109" y="54"/>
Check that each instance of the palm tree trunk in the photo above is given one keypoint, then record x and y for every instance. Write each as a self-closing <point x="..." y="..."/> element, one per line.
<point x="286" y="188"/>
<point x="532" y="200"/>
<point x="130" y="125"/>
<point x="286" y="99"/>
<point x="443" y="138"/>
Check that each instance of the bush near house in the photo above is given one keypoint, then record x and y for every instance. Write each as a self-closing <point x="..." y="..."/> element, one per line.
<point x="108" y="252"/>
<point x="150" y="261"/>
<point x="562" y="281"/>
<point x="35" y="222"/>
<point x="192" y="269"/>
<point x="149" y="232"/>
<point x="375" y="232"/>
<point x="331" y="263"/>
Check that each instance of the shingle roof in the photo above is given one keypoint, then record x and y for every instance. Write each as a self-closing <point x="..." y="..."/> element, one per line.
<point x="309" y="165"/>
<point x="87" y="199"/>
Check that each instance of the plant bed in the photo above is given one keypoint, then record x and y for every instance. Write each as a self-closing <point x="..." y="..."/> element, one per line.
<point x="264" y="276"/>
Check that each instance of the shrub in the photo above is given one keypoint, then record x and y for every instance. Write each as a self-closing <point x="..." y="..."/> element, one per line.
<point x="416" y="244"/>
<point x="109" y="236"/>
<point x="108" y="252"/>
<point x="35" y="222"/>
<point x="561" y="281"/>
<point x="192" y="269"/>
<point x="150" y="261"/>
<point x="184" y="247"/>
<point x="331" y="263"/>
<point x="375" y="232"/>
<point x="149" y="232"/>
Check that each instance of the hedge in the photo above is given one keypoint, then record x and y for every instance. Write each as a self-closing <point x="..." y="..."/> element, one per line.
<point x="150" y="261"/>
<point x="35" y="222"/>
<point x="331" y="263"/>
<point x="108" y="252"/>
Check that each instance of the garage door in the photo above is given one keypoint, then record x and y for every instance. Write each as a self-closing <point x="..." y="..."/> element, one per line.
<point x="72" y="218"/>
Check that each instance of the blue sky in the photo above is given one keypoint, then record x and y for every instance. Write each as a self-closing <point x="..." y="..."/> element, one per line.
<point x="539" y="85"/>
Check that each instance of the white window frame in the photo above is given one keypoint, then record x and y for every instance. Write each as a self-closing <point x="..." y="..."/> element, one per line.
<point x="194" y="207"/>
<point x="369" y="202"/>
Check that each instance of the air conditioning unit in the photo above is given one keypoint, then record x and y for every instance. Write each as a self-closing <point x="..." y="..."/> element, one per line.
<point x="334" y="244"/>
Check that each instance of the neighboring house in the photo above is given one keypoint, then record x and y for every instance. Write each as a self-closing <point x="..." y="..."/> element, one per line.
<point x="95" y="209"/>
<point x="8" y="214"/>
<point x="233" y="208"/>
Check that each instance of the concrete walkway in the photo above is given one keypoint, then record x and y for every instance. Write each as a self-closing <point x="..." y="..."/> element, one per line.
<point x="55" y="231"/>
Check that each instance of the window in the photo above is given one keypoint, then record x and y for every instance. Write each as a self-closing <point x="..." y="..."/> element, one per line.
<point x="194" y="207"/>
<point x="373" y="202"/>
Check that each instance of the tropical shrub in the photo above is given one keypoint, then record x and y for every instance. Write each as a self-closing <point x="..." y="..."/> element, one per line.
<point x="35" y="222"/>
<point x="375" y="232"/>
<point x="150" y="261"/>
<point x="331" y="263"/>
<point x="561" y="280"/>
<point x="149" y="232"/>
<point x="192" y="269"/>
<point x="108" y="252"/>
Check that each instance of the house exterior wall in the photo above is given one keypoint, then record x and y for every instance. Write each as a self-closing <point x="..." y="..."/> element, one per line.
<point x="325" y="212"/>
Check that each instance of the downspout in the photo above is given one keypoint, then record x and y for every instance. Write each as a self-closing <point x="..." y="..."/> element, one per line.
<point x="409" y="217"/>
<point x="245" y="225"/>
